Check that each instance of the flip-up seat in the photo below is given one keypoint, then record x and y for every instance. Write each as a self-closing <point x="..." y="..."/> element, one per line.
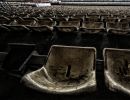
<point x="17" y="32"/>
<point x="68" y="70"/>
<point x="118" y="35"/>
<point x="117" y="69"/>
<point x="126" y="19"/>
<point x="27" y="21"/>
<point x="21" y="24"/>
<point x="41" y="34"/>
<point x="68" y="26"/>
<point x="91" y="34"/>
<point x="66" y="32"/>
<point x="92" y="27"/>
<point x="110" y="19"/>
<point x="92" y="19"/>
<point x="44" y="24"/>
<point x="118" y="28"/>
<point x="16" y="24"/>
<point x="46" y="21"/>
<point x="42" y="30"/>
<point x="77" y="17"/>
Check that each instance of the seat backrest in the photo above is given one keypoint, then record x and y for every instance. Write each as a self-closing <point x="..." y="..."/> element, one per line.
<point x="26" y="21"/>
<point x="92" y="19"/>
<point x="118" y="25"/>
<point x="60" y="18"/>
<point x="77" y="18"/>
<point x="110" y="19"/>
<point x="92" y="25"/>
<point x="69" y="23"/>
<point x="128" y="18"/>
<point x="117" y="64"/>
<point x="46" y="21"/>
<point x="124" y="25"/>
<point x="124" y="20"/>
<point x="69" y="62"/>
<point x="112" y="25"/>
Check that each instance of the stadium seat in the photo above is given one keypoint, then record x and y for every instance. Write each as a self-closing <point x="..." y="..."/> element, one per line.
<point x="118" y="28"/>
<point x="65" y="73"/>
<point x="68" y="26"/>
<point x="92" y="27"/>
<point x="117" y="69"/>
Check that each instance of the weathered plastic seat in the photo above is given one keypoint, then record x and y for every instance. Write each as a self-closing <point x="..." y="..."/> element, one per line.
<point x="118" y="35"/>
<point x="61" y="18"/>
<point x="17" y="32"/>
<point x="93" y="27"/>
<point x="110" y="19"/>
<point x="77" y="18"/>
<point x="16" y="26"/>
<point x="68" y="26"/>
<point x="27" y="22"/>
<point x="45" y="24"/>
<point x="118" y="28"/>
<point x="125" y="19"/>
<point x="46" y="21"/>
<point x="117" y="69"/>
<point x="20" y="24"/>
<point x="93" y="16"/>
<point x="68" y="70"/>
<point x="66" y="33"/>
<point x="92" y="19"/>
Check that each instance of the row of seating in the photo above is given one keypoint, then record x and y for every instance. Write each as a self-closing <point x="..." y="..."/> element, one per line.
<point x="45" y="38"/>
<point x="66" y="26"/>
<point x="75" y="73"/>
<point x="63" y="73"/>
<point x="89" y="18"/>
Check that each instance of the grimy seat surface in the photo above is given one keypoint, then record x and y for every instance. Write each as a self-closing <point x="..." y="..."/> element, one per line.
<point x="117" y="69"/>
<point x="65" y="73"/>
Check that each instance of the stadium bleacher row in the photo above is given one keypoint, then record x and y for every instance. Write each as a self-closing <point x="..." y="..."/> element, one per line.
<point x="84" y="27"/>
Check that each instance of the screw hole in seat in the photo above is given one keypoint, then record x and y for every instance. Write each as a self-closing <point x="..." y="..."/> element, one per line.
<point x="68" y="71"/>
